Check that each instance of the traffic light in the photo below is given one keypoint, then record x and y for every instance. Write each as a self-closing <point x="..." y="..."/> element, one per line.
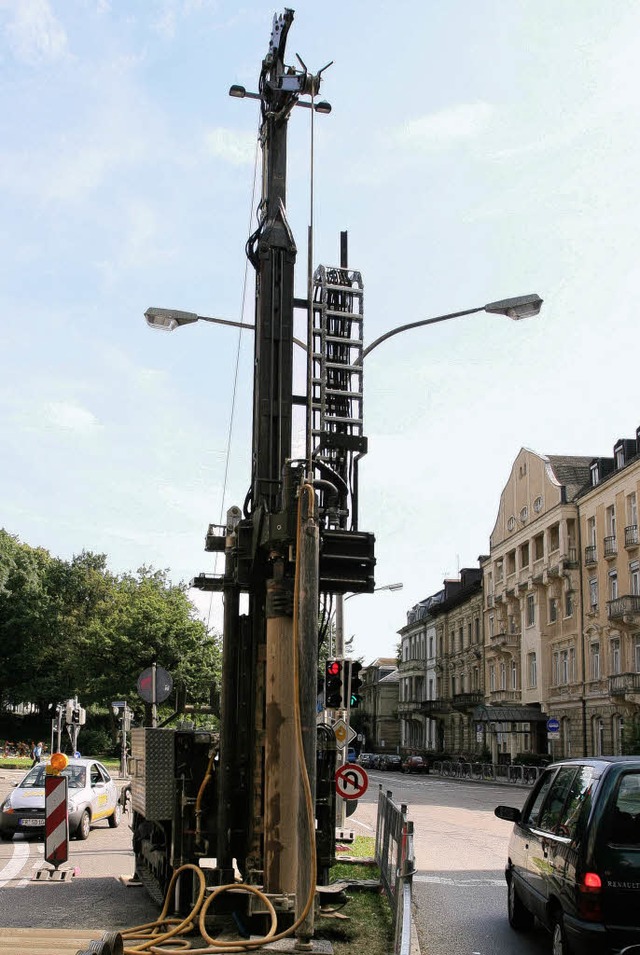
<point x="334" y="685"/>
<point x="354" y="684"/>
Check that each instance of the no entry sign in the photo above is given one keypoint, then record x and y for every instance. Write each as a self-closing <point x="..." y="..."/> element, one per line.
<point x="351" y="781"/>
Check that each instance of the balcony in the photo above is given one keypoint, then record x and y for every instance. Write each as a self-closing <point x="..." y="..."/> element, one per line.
<point x="610" y="546"/>
<point x="435" y="707"/>
<point x="625" y="609"/>
<point x="631" y="535"/>
<point x="590" y="555"/>
<point x="570" y="559"/>
<point x="624" y="683"/>
<point x="466" y="701"/>
<point x="410" y="706"/>
<point x="505" y="640"/>
<point x="505" y="696"/>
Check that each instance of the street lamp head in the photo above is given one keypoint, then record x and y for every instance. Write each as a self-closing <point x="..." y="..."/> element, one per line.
<point x="392" y="587"/>
<point x="166" y="319"/>
<point x="523" y="306"/>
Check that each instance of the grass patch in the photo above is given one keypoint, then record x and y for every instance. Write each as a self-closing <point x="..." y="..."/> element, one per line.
<point x="368" y="926"/>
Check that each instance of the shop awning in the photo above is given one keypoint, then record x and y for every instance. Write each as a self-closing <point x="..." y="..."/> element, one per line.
<point x="508" y="714"/>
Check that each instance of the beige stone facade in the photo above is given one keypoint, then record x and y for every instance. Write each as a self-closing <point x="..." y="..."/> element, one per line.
<point x="379" y="710"/>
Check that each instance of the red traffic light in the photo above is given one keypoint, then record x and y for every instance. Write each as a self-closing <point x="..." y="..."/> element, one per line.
<point x="333" y="667"/>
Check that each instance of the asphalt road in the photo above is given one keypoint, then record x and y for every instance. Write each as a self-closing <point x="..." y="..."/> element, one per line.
<point x="459" y="891"/>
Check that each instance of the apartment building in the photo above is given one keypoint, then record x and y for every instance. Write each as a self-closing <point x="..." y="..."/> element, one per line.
<point x="533" y="608"/>
<point x="417" y="672"/>
<point x="611" y="598"/>
<point x="379" y="719"/>
<point x="459" y="663"/>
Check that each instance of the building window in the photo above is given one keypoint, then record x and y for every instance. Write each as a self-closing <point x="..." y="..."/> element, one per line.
<point x="553" y="609"/>
<point x="610" y="520"/>
<point x="492" y="677"/>
<point x="554" y="537"/>
<point x="503" y="676"/>
<point x="593" y="592"/>
<point x="469" y="638"/>
<point x="591" y="531"/>
<point x="511" y="563"/>
<point x="476" y="678"/>
<point x="532" y="670"/>
<point x="461" y="638"/>
<point x="613" y="584"/>
<point x="564" y="667"/>
<point x="595" y="661"/>
<point x="632" y="509"/>
<point x="634" y="577"/>
<point x="615" y="656"/>
<point x="511" y="524"/>
<point x="568" y="603"/>
<point x="531" y="610"/>
<point x="524" y="555"/>
<point x="636" y="654"/>
<point x="555" y="669"/>
<point x="538" y="547"/>
<point x="514" y="676"/>
<point x="499" y="571"/>
<point x="491" y="625"/>
<point x="524" y="514"/>
<point x="595" y="473"/>
<point x="537" y="505"/>
<point x="476" y="624"/>
<point x="598" y="736"/>
<point x="617" y="732"/>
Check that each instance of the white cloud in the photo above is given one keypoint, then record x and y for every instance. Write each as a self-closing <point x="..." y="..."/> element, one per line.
<point x="34" y="33"/>
<point x="445" y="128"/>
<point x="238" y="148"/>
<point x="69" y="417"/>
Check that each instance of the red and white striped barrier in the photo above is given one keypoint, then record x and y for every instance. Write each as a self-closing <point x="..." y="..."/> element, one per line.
<point x="56" y="822"/>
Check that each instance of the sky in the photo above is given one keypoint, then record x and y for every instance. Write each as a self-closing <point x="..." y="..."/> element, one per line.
<point x="476" y="150"/>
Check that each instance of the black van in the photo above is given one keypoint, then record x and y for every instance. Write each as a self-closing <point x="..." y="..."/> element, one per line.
<point x="574" y="855"/>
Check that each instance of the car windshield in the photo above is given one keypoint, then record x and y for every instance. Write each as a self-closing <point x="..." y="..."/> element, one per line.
<point x="35" y="777"/>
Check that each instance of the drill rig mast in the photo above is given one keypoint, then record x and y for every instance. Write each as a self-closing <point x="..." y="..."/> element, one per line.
<point x="291" y="542"/>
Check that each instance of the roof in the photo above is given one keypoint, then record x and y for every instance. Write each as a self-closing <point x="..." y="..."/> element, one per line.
<point x="508" y="714"/>
<point x="393" y="677"/>
<point x="572" y="471"/>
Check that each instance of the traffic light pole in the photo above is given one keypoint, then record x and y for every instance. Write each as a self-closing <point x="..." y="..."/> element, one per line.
<point x="343" y="713"/>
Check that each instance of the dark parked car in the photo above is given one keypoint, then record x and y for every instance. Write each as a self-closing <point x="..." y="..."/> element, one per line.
<point x="574" y="855"/>
<point x="391" y="762"/>
<point x="414" y="764"/>
<point x="367" y="760"/>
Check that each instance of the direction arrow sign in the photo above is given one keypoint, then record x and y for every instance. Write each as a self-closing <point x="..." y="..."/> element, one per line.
<point x="351" y="781"/>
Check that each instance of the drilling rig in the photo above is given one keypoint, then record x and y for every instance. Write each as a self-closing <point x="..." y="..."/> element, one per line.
<point x="258" y="802"/>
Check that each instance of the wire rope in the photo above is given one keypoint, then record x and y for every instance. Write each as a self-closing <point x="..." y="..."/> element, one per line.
<point x="236" y="370"/>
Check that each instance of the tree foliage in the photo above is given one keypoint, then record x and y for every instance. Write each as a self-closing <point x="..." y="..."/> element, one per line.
<point x="72" y="628"/>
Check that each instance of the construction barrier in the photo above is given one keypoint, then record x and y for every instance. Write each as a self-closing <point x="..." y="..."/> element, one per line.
<point x="395" y="858"/>
<point x="56" y="823"/>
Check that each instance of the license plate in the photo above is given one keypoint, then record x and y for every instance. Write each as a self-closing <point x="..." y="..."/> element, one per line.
<point x="32" y="822"/>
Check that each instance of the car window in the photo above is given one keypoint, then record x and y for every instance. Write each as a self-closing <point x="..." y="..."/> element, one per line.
<point x="576" y="800"/>
<point x="625" y="823"/>
<point x="105" y="774"/>
<point x="554" y="804"/>
<point x="34" y="779"/>
<point x="532" y="814"/>
<point x="76" y="776"/>
<point x="96" y="775"/>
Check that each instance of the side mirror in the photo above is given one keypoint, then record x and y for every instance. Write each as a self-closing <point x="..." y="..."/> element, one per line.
<point x="510" y="813"/>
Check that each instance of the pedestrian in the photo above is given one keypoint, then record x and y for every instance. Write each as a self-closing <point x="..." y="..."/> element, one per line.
<point x="37" y="753"/>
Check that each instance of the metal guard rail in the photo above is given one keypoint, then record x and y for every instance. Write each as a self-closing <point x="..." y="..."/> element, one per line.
<point x="515" y="774"/>
<point x="394" y="857"/>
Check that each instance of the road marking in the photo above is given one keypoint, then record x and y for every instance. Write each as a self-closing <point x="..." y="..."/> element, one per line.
<point x="15" y="864"/>
<point x="443" y="880"/>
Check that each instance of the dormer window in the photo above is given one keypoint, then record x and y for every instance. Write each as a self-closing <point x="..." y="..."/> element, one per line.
<point x="618" y="452"/>
<point x="595" y="473"/>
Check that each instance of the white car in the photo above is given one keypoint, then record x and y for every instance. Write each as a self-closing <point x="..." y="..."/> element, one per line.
<point x="92" y="795"/>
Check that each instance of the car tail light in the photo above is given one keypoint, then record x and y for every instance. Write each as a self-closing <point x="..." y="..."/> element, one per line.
<point x="589" y="901"/>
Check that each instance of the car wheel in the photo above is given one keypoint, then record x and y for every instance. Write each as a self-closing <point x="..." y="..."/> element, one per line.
<point x="520" y="918"/>
<point x="116" y="816"/>
<point x="84" y="826"/>
<point x="559" y="944"/>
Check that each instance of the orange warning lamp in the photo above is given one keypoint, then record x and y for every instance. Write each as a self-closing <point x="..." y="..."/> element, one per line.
<point x="57" y="763"/>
